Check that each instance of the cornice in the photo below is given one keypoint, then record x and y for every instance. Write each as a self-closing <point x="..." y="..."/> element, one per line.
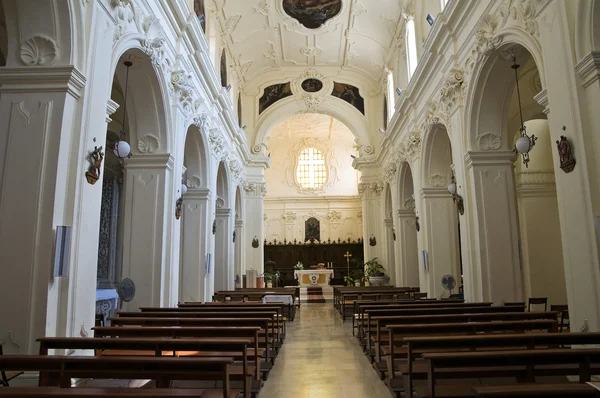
<point x="430" y="193"/>
<point x="153" y="161"/>
<point x="589" y="68"/>
<point x="42" y="79"/>
<point x="196" y="194"/>
<point x="489" y="158"/>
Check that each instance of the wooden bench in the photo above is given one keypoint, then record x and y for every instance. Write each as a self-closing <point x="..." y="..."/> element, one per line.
<point x="192" y="332"/>
<point x="100" y="392"/>
<point x="525" y="364"/>
<point x="413" y="368"/>
<point x="236" y="347"/>
<point x="266" y="342"/>
<point x="288" y="310"/>
<point x="5" y="376"/>
<point x="60" y="369"/>
<point x="561" y="390"/>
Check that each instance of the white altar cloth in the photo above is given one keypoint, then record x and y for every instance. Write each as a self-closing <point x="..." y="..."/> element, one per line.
<point x="313" y="277"/>
<point x="284" y="298"/>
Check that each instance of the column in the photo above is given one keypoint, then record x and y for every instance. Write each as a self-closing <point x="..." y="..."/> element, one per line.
<point x="440" y="239"/>
<point x="223" y="264"/>
<point x="577" y="191"/>
<point x="408" y="251"/>
<point x="390" y="236"/>
<point x="238" y="250"/>
<point x="254" y="235"/>
<point x="196" y="227"/>
<point x="148" y="206"/>
<point x="496" y="271"/>
<point x="37" y="169"/>
<point x="373" y="229"/>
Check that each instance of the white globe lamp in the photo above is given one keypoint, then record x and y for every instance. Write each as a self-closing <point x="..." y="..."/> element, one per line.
<point x="184" y="189"/>
<point x="122" y="149"/>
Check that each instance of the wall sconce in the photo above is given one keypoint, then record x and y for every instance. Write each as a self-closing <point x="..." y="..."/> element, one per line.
<point x="525" y="143"/>
<point x="398" y="91"/>
<point x="430" y="19"/>
<point x="382" y="131"/>
<point x="96" y="157"/>
<point x="179" y="203"/>
<point x="456" y="198"/>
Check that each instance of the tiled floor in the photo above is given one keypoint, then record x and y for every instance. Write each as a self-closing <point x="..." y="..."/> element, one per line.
<point x="321" y="359"/>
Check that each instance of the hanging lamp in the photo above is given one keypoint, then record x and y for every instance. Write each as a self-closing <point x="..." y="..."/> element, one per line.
<point x="525" y="143"/>
<point x="121" y="148"/>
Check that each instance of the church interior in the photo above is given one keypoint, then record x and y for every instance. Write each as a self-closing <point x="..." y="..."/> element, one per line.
<point x="300" y="198"/>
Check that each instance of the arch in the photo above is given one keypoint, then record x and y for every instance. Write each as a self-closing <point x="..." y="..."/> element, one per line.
<point x="334" y="107"/>
<point x="239" y="208"/>
<point x="486" y="95"/>
<point x="196" y="159"/>
<point x="437" y="158"/>
<point x="147" y="96"/>
<point x="406" y="188"/>
<point x="223" y="68"/>
<point x="389" y="212"/>
<point x="223" y="186"/>
<point x="587" y="28"/>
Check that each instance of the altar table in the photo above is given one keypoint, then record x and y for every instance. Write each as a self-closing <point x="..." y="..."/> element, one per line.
<point x="313" y="277"/>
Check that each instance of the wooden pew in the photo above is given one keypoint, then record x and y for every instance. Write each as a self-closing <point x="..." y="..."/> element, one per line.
<point x="192" y="332"/>
<point x="415" y="346"/>
<point x="526" y="364"/>
<point x="342" y="296"/>
<point x="263" y="323"/>
<point x="561" y="390"/>
<point x="163" y="370"/>
<point x="236" y="347"/>
<point x="100" y="392"/>
<point x="288" y="310"/>
<point x="397" y="334"/>
<point x="6" y="377"/>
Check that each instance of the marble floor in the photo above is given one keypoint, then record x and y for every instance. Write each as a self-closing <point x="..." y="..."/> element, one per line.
<point x="321" y="359"/>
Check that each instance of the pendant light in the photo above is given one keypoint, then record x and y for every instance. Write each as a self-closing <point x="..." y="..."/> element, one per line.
<point x="121" y="147"/>
<point x="525" y="143"/>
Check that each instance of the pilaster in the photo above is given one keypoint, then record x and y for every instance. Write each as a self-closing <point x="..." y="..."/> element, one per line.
<point x="408" y="250"/>
<point x="254" y="211"/>
<point x="373" y="229"/>
<point x="224" y="274"/>
<point x="148" y="204"/>
<point x="238" y="250"/>
<point x="196" y="224"/>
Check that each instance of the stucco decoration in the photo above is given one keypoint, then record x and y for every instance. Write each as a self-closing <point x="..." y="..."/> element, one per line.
<point x="124" y="16"/>
<point x="148" y="144"/>
<point x="184" y="91"/>
<point x="232" y="23"/>
<point x="389" y="173"/>
<point x="451" y="92"/>
<point x="334" y="216"/>
<point x="235" y="169"/>
<point x="411" y="147"/>
<point x="374" y="188"/>
<point x="437" y="180"/>
<point x="409" y="204"/>
<point x="39" y="51"/>
<point x="220" y="202"/>
<point x="202" y="121"/>
<point x="193" y="182"/>
<point x="489" y="142"/>
<point x="153" y="44"/>
<point x="291" y="165"/>
<point x="289" y="217"/>
<point x="217" y="143"/>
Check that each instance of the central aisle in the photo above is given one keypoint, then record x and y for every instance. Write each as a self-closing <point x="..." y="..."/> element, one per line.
<point x="321" y="359"/>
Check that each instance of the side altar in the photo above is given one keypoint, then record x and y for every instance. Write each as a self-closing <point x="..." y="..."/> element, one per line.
<point x="313" y="277"/>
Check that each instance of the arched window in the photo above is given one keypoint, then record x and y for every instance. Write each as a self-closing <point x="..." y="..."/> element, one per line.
<point x="223" y="69"/>
<point x="391" y="96"/>
<point x="311" y="172"/>
<point x="199" y="11"/>
<point x="443" y="4"/>
<point x="411" y="47"/>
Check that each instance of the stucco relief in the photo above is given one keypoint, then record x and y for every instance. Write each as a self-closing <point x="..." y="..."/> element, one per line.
<point x="193" y="182"/>
<point x="123" y="16"/>
<point x="437" y="180"/>
<point x="291" y="165"/>
<point x="153" y="44"/>
<point x="389" y="173"/>
<point x="185" y="92"/>
<point x="148" y="144"/>
<point x="411" y="147"/>
<point x="39" y="51"/>
<point x="489" y="142"/>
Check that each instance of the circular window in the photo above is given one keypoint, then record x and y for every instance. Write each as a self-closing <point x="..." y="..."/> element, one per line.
<point x="312" y="85"/>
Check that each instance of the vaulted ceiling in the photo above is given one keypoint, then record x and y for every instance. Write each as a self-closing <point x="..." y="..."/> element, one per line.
<point x="358" y="35"/>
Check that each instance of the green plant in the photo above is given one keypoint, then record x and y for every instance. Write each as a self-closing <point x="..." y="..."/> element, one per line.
<point x="349" y="281"/>
<point x="373" y="268"/>
<point x="269" y="277"/>
<point x="299" y="266"/>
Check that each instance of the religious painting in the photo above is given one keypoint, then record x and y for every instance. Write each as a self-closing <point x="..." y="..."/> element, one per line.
<point x="312" y="13"/>
<point x="273" y="94"/>
<point x="312" y="85"/>
<point x="200" y="13"/>
<point x="350" y="94"/>
<point x="312" y="230"/>
<point x="223" y="69"/>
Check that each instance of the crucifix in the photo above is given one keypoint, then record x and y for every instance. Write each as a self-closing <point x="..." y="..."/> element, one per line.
<point x="348" y="255"/>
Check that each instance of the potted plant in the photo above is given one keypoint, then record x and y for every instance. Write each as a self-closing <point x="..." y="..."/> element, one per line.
<point x="269" y="278"/>
<point x="355" y="278"/>
<point x="374" y="273"/>
<point x="299" y="266"/>
<point x="348" y="280"/>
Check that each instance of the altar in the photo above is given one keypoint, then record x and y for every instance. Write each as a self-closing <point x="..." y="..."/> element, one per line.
<point x="313" y="277"/>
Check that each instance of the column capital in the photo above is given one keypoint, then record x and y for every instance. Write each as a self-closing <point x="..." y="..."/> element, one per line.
<point x="589" y="68"/>
<point x="42" y="80"/>
<point x="223" y="212"/>
<point x="429" y="193"/>
<point x="152" y="161"/>
<point x="196" y="194"/>
<point x="489" y="158"/>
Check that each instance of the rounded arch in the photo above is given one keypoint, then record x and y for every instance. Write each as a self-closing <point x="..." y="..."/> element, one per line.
<point x="148" y="99"/>
<point x="406" y="188"/>
<point x="587" y="28"/>
<point x="492" y="84"/>
<point x="389" y="210"/>
<point x="223" y="187"/>
<point x="437" y="158"/>
<point x="239" y="208"/>
<point x="196" y="159"/>
<point x="288" y="107"/>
